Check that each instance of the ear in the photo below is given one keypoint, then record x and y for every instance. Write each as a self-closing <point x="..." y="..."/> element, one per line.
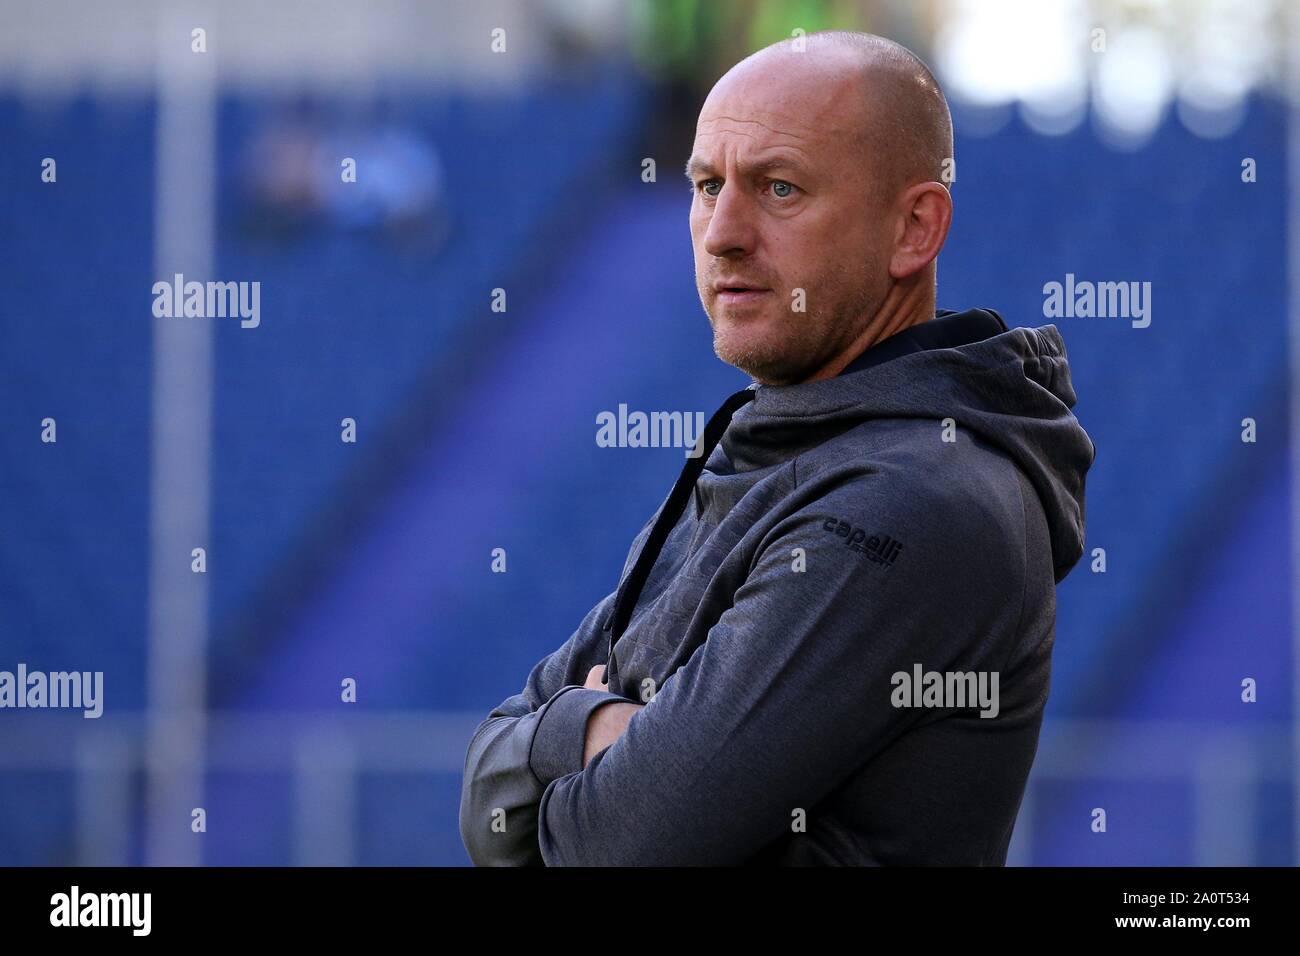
<point x="924" y="215"/>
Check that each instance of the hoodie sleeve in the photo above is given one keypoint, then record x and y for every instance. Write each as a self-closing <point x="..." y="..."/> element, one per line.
<point x="527" y="741"/>
<point x="791" y="691"/>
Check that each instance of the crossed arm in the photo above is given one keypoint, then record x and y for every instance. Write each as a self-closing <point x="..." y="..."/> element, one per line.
<point x="789" y="695"/>
<point x="527" y="741"/>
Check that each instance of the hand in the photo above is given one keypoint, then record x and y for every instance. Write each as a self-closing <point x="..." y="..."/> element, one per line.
<point x="607" y="722"/>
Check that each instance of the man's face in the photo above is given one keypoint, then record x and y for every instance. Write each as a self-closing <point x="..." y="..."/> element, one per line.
<point x="783" y="205"/>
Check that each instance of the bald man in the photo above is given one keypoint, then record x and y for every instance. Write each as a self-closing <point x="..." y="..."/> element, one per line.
<point x="831" y="644"/>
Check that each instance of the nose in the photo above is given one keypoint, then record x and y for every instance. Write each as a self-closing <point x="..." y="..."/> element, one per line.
<point x="730" y="232"/>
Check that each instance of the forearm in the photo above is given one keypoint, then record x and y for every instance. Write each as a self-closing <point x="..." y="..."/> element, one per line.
<point x="605" y="725"/>
<point x="499" y="794"/>
<point x="510" y="760"/>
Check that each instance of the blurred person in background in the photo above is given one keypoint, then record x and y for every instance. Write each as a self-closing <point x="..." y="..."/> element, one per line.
<point x="395" y="186"/>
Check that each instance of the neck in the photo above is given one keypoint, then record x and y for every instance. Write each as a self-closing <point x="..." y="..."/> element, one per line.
<point x="904" y="306"/>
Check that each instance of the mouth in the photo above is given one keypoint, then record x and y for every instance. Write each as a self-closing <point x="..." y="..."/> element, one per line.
<point x="738" y="293"/>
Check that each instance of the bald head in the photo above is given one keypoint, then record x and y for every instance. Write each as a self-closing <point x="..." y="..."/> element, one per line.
<point x="820" y="201"/>
<point x="869" y="88"/>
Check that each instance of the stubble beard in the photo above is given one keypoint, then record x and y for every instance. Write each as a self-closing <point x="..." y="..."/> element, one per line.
<point x="806" y="341"/>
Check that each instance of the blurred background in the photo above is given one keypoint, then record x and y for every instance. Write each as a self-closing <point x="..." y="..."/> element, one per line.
<point x="501" y="271"/>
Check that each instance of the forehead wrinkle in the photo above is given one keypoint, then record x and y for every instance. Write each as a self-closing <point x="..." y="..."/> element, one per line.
<point x="840" y="114"/>
<point x="768" y="156"/>
<point x="735" y="119"/>
<point x="800" y="162"/>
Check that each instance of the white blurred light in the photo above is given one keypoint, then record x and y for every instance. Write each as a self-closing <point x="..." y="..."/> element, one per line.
<point x="1058" y="101"/>
<point x="1134" y="84"/>
<point x="1204" y="56"/>
<point x="1211" y="111"/>
<point x="1017" y="49"/>
<point x="1229" y="55"/>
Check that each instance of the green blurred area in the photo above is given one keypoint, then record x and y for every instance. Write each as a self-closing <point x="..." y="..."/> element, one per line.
<point x="695" y="41"/>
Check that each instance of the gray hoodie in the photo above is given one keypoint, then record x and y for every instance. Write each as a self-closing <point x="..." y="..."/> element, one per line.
<point x="844" y="645"/>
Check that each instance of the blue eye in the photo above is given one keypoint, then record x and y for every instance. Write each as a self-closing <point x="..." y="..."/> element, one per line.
<point x="780" y="188"/>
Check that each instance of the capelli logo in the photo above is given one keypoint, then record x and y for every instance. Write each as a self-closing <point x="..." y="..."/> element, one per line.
<point x="879" y="548"/>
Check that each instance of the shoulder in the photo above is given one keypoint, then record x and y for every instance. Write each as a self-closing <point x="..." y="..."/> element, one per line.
<point x="946" y="520"/>
<point x="917" y="472"/>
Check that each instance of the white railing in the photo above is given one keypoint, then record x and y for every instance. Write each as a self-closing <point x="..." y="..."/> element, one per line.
<point x="328" y="753"/>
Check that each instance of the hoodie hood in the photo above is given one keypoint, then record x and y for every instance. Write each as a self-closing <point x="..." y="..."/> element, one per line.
<point x="1012" y="389"/>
